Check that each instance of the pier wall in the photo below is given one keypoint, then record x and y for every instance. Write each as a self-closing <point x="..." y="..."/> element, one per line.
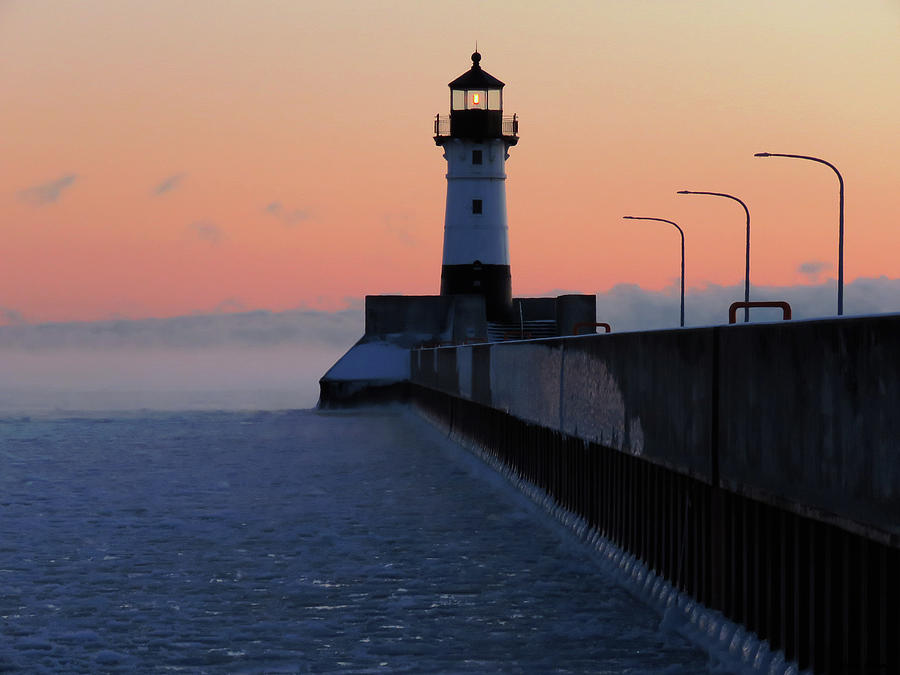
<point x="755" y="467"/>
<point x="800" y="413"/>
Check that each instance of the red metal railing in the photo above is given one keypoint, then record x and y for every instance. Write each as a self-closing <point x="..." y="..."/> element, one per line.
<point x="587" y="324"/>
<point x="780" y="304"/>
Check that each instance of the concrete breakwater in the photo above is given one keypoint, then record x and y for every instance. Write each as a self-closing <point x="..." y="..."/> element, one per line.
<point x="753" y="467"/>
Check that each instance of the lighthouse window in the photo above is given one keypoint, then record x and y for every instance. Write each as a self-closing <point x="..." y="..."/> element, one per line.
<point x="476" y="157"/>
<point x="477" y="100"/>
<point x="476" y="206"/>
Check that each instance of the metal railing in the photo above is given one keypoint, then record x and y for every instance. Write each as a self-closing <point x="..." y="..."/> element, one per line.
<point x="589" y="324"/>
<point x="778" y="304"/>
<point x="509" y="125"/>
<point x="442" y="125"/>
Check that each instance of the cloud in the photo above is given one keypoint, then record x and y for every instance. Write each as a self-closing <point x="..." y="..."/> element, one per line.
<point x="248" y="360"/>
<point x="169" y="184"/>
<point x="297" y="216"/>
<point x="354" y="303"/>
<point x="49" y="192"/>
<point x="287" y="216"/>
<point x="397" y="225"/>
<point x="208" y="231"/>
<point x="625" y="306"/>
<point x="229" y="306"/>
<point x="11" y="316"/>
<point x="814" y="268"/>
<point x="630" y="307"/>
<point x="264" y="359"/>
<point x="203" y="331"/>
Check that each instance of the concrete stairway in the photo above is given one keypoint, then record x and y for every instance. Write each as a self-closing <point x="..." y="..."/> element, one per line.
<point x="528" y="330"/>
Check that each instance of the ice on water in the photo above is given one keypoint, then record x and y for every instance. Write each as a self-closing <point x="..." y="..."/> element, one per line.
<point x="284" y="542"/>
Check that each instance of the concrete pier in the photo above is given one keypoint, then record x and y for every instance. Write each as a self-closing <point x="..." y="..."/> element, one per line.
<point x="754" y="467"/>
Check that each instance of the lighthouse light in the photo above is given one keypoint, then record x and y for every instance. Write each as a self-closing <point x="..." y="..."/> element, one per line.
<point x="477" y="100"/>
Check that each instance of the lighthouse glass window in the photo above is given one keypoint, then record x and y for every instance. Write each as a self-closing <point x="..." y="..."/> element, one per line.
<point x="476" y="99"/>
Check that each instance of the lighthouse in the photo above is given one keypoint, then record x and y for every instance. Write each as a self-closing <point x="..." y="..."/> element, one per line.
<point x="476" y="139"/>
<point x="476" y="303"/>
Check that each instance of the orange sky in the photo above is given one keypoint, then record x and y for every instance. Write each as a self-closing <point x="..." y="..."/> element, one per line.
<point x="323" y="112"/>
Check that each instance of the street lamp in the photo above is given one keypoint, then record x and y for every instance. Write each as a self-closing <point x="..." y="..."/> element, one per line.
<point x="840" y="290"/>
<point x="747" y="264"/>
<point x="663" y="220"/>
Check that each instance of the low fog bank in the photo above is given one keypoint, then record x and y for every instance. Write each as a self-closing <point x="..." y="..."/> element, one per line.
<point x="268" y="360"/>
<point x="253" y="360"/>
<point x="217" y="378"/>
<point x="629" y="307"/>
<point x="246" y="329"/>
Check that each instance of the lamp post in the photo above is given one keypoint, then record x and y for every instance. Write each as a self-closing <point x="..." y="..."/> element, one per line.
<point x="663" y="220"/>
<point x="840" y="289"/>
<point x="747" y="262"/>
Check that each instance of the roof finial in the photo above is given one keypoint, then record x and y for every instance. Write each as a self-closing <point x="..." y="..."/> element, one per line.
<point x="476" y="57"/>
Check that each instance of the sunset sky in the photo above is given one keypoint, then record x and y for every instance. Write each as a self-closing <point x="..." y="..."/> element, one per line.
<point x="166" y="158"/>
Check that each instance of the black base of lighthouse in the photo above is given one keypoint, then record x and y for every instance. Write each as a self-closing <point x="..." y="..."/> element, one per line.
<point x="492" y="281"/>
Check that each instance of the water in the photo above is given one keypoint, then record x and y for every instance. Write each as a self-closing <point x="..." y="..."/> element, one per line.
<point x="285" y="542"/>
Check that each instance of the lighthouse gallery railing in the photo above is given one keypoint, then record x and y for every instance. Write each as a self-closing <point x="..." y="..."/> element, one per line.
<point x="509" y="126"/>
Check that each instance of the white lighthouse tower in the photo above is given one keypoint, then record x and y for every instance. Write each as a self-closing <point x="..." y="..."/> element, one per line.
<point x="476" y="139"/>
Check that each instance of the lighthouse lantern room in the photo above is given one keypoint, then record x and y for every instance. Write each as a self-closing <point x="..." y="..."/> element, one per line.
<point x="476" y="139"/>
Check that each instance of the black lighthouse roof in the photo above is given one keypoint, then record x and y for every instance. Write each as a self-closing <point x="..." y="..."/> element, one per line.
<point x="476" y="78"/>
<point x="476" y="109"/>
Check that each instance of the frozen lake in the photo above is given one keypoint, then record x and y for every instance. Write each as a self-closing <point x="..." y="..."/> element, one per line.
<point x="285" y="542"/>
